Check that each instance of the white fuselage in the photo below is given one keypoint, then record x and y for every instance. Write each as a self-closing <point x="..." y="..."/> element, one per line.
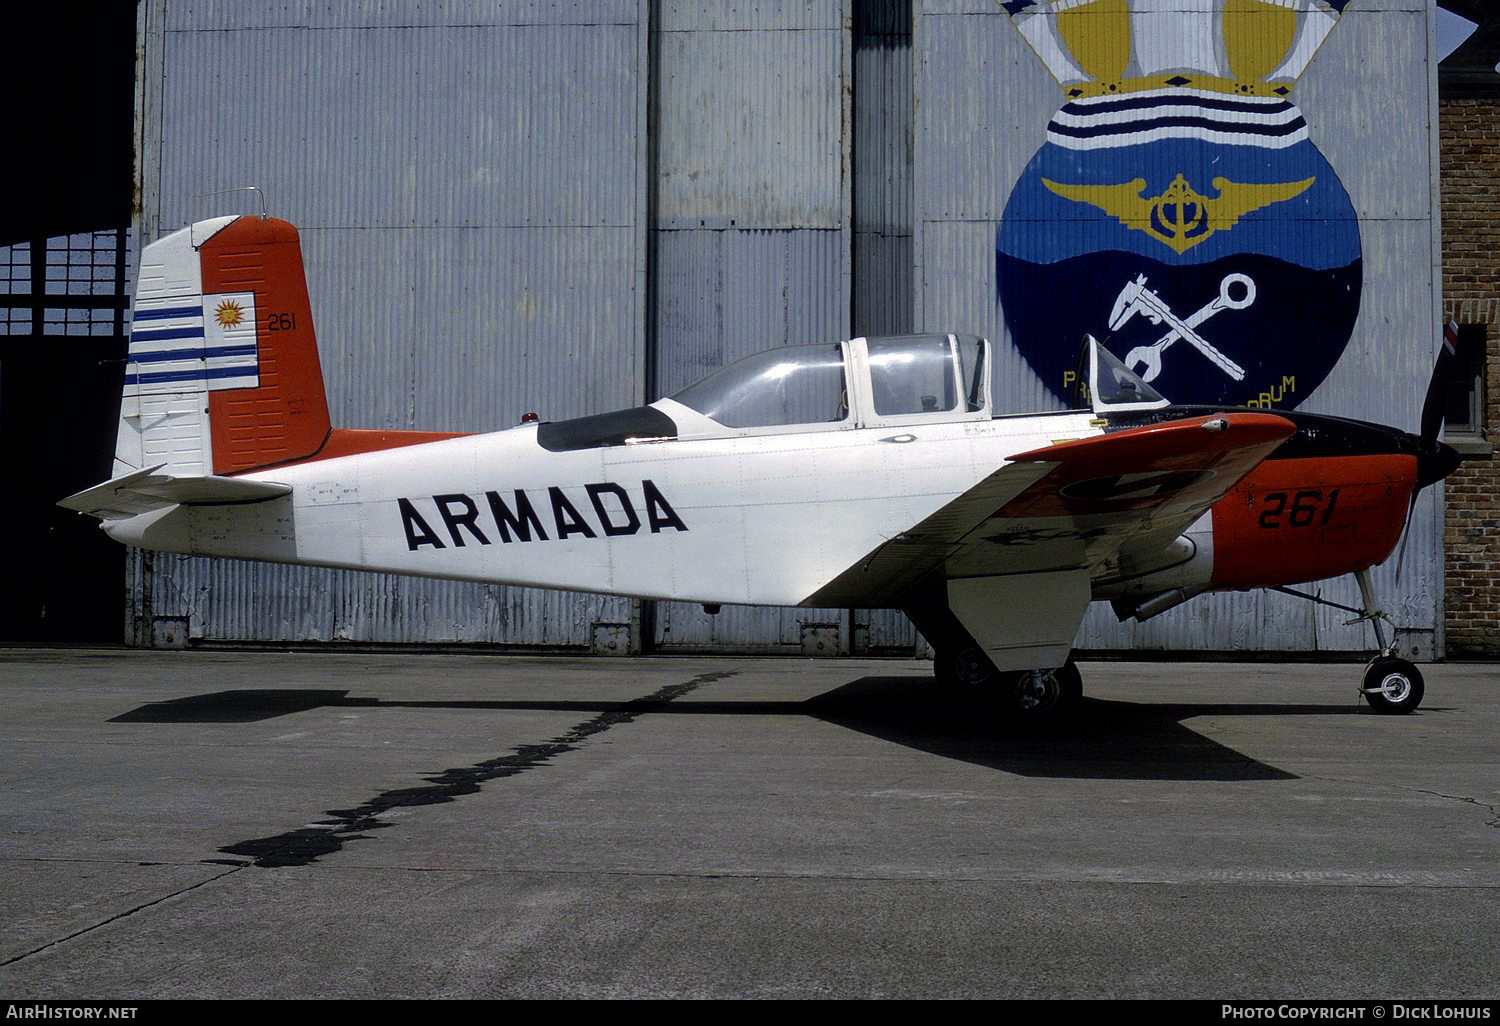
<point x="757" y="518"/>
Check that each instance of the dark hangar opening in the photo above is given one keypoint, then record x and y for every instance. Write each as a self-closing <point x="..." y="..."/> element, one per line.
<point x="67" y="253"/>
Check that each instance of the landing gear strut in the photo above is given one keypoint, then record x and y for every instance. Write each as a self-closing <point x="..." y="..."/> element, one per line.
<point x="964" y="670"/>
<point x="1049" y="694"/>
<point x="1036" y="696"/>
<point x="1390" y="684"/>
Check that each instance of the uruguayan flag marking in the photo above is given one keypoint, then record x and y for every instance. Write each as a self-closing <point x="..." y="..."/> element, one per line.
<point x="193" y="344"/>
<point x="233" y="358"/>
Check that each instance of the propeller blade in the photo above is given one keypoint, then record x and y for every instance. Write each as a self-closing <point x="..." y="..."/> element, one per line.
<point x="1435" y="407"/>
<point x="1435" y="459"/>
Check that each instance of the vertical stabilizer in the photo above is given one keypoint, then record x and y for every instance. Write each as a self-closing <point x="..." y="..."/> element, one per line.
<point x="223" y="373"/>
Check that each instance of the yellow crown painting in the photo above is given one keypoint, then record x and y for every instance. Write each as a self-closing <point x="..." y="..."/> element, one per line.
<point x="1109" y="47"/>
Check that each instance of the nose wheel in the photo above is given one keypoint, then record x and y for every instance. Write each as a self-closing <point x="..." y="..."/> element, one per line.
<point x="1392" y="685"/>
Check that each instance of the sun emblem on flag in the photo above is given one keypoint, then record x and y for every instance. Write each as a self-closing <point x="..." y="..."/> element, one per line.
<point x="229" y="314"/>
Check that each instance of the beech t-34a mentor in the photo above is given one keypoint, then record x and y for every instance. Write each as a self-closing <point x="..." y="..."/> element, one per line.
<point x="866" y="473"/>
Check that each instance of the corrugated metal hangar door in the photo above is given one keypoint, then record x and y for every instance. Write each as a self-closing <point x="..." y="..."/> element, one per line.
<point x="573" y="208"/>
<point x="469" y="183"/>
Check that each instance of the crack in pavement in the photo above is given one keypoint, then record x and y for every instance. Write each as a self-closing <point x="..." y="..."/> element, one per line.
<point x="1493" y="810"/>
<point x="305" y="846"/>
<point x="117" y="917"/>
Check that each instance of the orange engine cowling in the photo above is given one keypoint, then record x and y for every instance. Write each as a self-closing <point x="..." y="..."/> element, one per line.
<point x="1332" y="500"/>
<point x="1296" y="520"/>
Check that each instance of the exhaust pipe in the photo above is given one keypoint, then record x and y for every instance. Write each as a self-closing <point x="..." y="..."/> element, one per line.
<point x="1155" y="605"/>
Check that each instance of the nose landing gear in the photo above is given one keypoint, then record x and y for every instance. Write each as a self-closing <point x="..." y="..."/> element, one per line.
<point x="1390" y="684"/>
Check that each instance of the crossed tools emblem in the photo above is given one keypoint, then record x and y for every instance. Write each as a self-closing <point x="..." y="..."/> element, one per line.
<point x="1236" y="292"/>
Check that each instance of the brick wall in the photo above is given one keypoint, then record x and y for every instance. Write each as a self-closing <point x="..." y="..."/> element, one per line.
<point x="1470" y="140"/>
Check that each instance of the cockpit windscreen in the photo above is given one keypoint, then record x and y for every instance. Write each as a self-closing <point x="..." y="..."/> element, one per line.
<point x="1116" y="387"/>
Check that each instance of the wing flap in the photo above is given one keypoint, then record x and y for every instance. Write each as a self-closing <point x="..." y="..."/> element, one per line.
<point x="142" y="491"/>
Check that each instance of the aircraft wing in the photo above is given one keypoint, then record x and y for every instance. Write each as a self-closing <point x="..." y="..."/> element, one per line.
<point x="142" y="491"/>
<point x="1069" y="506"/>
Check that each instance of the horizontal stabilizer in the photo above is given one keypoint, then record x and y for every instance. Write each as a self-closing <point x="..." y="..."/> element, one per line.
<point x="142" y="491"/>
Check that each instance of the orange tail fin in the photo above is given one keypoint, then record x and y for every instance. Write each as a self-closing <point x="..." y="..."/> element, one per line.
<point x="223" y="374"/>
<point x="284" y="417"/>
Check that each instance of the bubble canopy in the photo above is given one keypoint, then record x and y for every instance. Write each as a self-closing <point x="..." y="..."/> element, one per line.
<point x="909" y="376"/>
<point x="788" y="385"/>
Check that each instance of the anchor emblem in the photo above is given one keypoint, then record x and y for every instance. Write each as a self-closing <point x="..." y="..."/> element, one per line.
<point x="1179" y="216"/>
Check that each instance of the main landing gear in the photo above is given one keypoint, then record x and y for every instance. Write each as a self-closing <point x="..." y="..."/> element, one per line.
<point x="1390" y="684"/>
<point x="965" y="672"/>
<point x="1036" y="696"/>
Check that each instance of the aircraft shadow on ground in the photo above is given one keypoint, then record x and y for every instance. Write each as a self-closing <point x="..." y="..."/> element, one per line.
<point x="1104" y="740"/>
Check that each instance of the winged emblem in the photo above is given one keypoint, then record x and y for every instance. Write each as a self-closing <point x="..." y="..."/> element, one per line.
<point x="1180" y="217"/>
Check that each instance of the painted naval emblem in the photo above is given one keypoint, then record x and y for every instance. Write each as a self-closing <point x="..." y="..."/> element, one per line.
<point x="1177" y="208"/>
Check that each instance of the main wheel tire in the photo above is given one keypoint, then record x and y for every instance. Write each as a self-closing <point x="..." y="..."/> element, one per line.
<point x="1392" y="686"/>
<point x="964" y="669"/>
<point x="1048" y="696"/>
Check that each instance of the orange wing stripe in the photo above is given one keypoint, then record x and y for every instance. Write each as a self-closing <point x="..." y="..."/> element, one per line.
<point x="1140" y="467"/>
